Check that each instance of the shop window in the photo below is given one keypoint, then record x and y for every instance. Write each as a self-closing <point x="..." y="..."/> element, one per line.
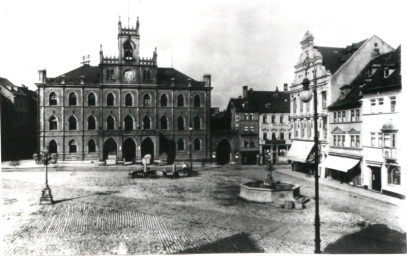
<point x="394" y="175"/>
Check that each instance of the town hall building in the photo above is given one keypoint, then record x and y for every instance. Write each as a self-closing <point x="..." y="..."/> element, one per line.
<point x="125" y="108"/>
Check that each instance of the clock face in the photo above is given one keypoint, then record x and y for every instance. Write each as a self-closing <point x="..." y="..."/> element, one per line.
<point x="129" y="75"/>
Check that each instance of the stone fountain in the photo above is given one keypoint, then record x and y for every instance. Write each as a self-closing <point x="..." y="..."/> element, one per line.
<point x="269" y="191"/>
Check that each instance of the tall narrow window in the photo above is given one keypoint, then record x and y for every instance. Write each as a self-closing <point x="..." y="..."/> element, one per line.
<point x="146" y="100"/>
<point x="393" y="104"/>
<point x="181" y="145"/>
<point x="52" y="147"/>
<point x="197" y="101"/>
<point x="197" y="144"/>
<point x="163" y="100"/>
<point x="339" y="116"/>
<point x="91" y="123"/>
<point x="357" y="141"/>
<point x="352" y="141"/>
<point x="281" y="119"/>
<point x="197" y="123"/>
<point x="72" y="99"/>
<point x="181" y="123"/>
<point x="323" y="96"/>
<point x="91" y="146"/>
<point x="372" y="139"/>
<point x="128" y="123"/>
<point x="294" y="105"/>
<point x="53" y="123"/>
<point x="180" y="100"/>
<point x="357" y="115"/>
<point x="281" y="136"/>
<point x="380" y="106"/>
<point x="53" y="99"/>
<point x="380" y="139"/>
<point x="334" y="140"/>
<point x="110" y="99"/>
<point x="264" y="119"/>
<point x="128" y="50"/>
<point x="129" y="100"/>
<point x="352" y="115"/>
<point x="110" y="123"/>
<point x="373" y="106"/>
<point x="164" y="123"/>
<point x="72" y="146"/>
<point x="343" y="116"/>
<point x="91" y="99"/>
<point x="273" y="119"/>
<point x="387" y="142"/>
<point x="335" y="119"/>
<point x="72" y="123"/>
<point x="146" y="123"/>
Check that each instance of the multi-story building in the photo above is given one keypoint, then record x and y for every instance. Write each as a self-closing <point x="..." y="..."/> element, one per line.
<point x="381" y="133"/>
<point x="274" y="126"/>
<point x="124" y="108"/>
<point x="255" y="113"/>
<point x="334" y="68"/>
<point x="18" y="121"/>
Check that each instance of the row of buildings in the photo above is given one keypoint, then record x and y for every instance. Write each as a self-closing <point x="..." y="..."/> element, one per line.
<point x="127" y="107"/>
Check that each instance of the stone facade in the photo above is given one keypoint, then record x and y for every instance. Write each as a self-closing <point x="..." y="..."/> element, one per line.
<point x="124" y="108"/>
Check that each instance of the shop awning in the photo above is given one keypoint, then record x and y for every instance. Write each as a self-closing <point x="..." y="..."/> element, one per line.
<point x="299" y="151"/>
<point x="342" y="164"/>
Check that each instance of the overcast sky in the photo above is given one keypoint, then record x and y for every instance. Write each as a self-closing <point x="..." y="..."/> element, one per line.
<point x="251" y="42"/>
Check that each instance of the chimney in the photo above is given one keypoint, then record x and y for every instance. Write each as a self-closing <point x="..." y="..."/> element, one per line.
<point x="42" y="76"/>
<point x="285" y="87"/>
<point x="189" y="82"/>
<point x="245" y="92"/>
<point x="172" y="81"/>
<point x="207" y="80"/>
<point x="276" y="88"/>
<point x="63" y="79"/>
<point x="82" y="79"/>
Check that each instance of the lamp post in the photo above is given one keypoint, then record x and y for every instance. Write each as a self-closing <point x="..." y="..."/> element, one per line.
<point x="190" y="148"/>
<point x="305" y="96"/>
<point x="44" y="157"/>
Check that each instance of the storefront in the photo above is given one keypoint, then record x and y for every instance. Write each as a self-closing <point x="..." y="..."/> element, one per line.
<point x="343" y="169"/>
<point x="299" y="154"/>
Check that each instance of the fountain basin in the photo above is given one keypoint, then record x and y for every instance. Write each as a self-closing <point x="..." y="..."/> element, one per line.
<point x="278" y="193"/>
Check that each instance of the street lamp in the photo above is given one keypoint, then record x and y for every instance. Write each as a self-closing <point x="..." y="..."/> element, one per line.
<point x="305" y="96"/>
<point x="44" y="157"/>
<point x="190" y="148"/>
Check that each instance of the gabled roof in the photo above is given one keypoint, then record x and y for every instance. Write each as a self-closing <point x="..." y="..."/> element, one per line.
<point x="91" y="75"/>
<point x="392" y="61"/>
<point x="366" y="81"/>
<point x="12" y="88"/>
<point x="164" y="76"/>
<point x="334" y="57"/>
<point x="263" y="102"/>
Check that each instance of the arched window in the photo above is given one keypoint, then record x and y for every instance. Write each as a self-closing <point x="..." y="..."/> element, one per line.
<point x="180" y="100"/>
<point x="73" y="146"/>
<point x="53" y="147"/>
<point x="181" y="123"/>
<point x="53" y="123"/>
<point x="128" y="123"/>
<point x="394" y="175"/>
<point x="53" y="99"/>
<point x="128" y="50"/>
<point x="181" y="145"/>
<point x="91" y="146"/>
<point x="197" y="144"/>
<point x="197" y="123"/>
<point x="146" y="123"/>
<point x="164" y="123"/>
<point x="112" y="74"/>
<point x="146" y="100"/>
<point x="163" y="100"/>
<point x="110" y="122"/>
<point x="148" y="75"/>
<point x="129" y="100"/>
<point x="197" y="101"/>
<point x="107" y="74"/>
<point x="72" y="123"/>
<point x="91" y="123"/>
<point x="91" y="99"/>
<point x="110" y="99"/>
<point x="72" y="99"/>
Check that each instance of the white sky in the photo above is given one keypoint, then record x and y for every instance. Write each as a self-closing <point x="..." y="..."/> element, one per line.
<point x="252" y="42"/>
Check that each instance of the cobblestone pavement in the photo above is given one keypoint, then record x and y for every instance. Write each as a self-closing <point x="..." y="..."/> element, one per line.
<point x="107" y="213"/>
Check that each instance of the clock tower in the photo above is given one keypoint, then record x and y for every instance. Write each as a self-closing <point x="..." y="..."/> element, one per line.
<point x="129" y="44"/>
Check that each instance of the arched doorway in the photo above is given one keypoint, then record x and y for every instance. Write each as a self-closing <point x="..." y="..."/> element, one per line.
<point x="52" y="147"/>
<point x="129" y="150"/>
<point x="147" y="147"/>
<point x="223" y="152"/>
<point x="109" y="149"/>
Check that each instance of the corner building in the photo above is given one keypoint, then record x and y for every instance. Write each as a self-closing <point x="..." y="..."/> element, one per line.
<point x="124" y="108"/>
